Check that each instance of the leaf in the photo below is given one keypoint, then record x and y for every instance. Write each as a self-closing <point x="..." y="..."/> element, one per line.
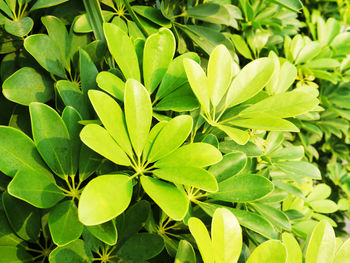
<point x="293" y="5"/>
<point x="170" y="199"/>
<point x="122" y="50"/>
<point x="153" y="14"/>
<point x="239" y="136"/>
<point x="284" y="105"/>
<point x="104" y="198"/>
<point x="148" y="246"/>
<point x="64" y="224"/>
<point x="88" y="72"/>
<point x="272" y="251"/>
<point x="294" y="252"/>
<point x="19" y="28"/>
<point x="111" y="84"/>
<point x="7" y="236"/>
<point x="321" y="247"/>
<point x="185" y="253"/>
<point x="230" y="165"/>
<point x="157" y="54"/>
<point x="175" y="76"/>
<point x="299" y="169"/>
<point x="193" y="154"/>
<point x="202" y="238"/>
<point x="105" y="232"/>
<point x="138" y="114"/>
<point x="308" y="52"/>
<point x="241" y="46"/>
<point x="249" y="81"/>
<point x="112" y="117"/>
<point x="171" y="137"/>
<point x="46" y="53"/>
<point x="35" y="188"/>
<point x="99" y="140"/>
<point x="320" y="191"/>
<point x="75" y="252"/>
<point x="243" y="188"/>
<point x="226" y="236"/>
<point x="51" y="138"/>
<point x="198" y="81"/>
<point x="18" y="152"/>
<point x="220" y="71"/>
<point x="274" y="215"/>
<point x="343" y="253"/>
<point x="324" y="206"/>
<point x="89" y="161"/>
<point x="95" y="18"/>
<point x="189" y="176"/>
<point x="13" y="254"/>
<point x="46" y="3"/>
<point x="266" y="123"/>
<point x="26" y="85"/>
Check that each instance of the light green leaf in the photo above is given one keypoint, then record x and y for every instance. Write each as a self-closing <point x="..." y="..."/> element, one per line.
<point x="299" y="169"/>
<point x="104" y="198"/>
<point x="185" y="253"/>
<point x="19" y="28"/>
<point x="272" y="251"/>
<point x="324" y="206"/>
<point x="198" y="81"/>
<point x="193" y="154"/>
<point x="111" y="84"/>
<point x="243" y="188"/>
<point x="26" y="85"/>
<point x="138" y="114"/>
<point x="157" y="54"/>
<point x="226" y="236"/>
<point x="274" y="215"/>
<point x="106" y="232"/>
<point x="64" y="223"/>
<point x="46" y="3"/>
<point x="308" y="52"/>
<point x="321" y="247"/>
<point x="112" y="117"/>
<point x="343" y="253"/>
<point x="239" y="136"/>
<point x="170" y="199"/>
<point x="187" y="175"/>
<point x="35" y="188"/>
<point x="241" y="46"/>
<point x="320" y="191"/>
<point x="99" y="140"/>
<point x="76" y="251"/>
<point x="171" y="137"/>
<point x="13" y="254"/>
<point x="18" y="152"/>
<point x="122" y="50"/>
<point x="153" y="14"/>
<point x="201" y="235"/>
<point x="293" y="5"/>
<point x="46" y="52"/>
<point x="295" y="255"/>
<point x="249" y="81"/>
<point x="266" y="123"/>
<point x="52" y="138"/>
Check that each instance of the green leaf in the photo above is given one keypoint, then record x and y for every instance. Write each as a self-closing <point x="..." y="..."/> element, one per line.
<point x="272" y="251"/>
<point x="23" y="218"/>
<point x="95" y="18"/>
<point x="171" y="137"/>
<point x="89" y="161"/>
<point x="284" y="105"/>
<point x="138" y="114"/>
<point x="46" y="53"/>
<point x="274" y="215"/>
<point x="175" y="75"/>
<point x="320" y="191"/>
<point x="266" y="123"/>
<point x="193" y="154"/>
<point x="64" y="224"/>
<point x="152" y="14"/>
<point x="46" y="3"/>
<point x="35" y="188"/>
<point x="185" y="253"/>
<point x="241" y="46"/>
<point x="99" y="140"/>
<point x="157" y="54"/>
<point x="239" y="136"/>
<point x="308" y="52"/>
<point x="112" y="117"/>
<point x="88" y="72"/>
<point x="295" y="255"/>
<point x="26" y="85"/>
<point x="226" y="236"/>
<point x="122" y="50"/>
<point x="105" y="232"/>
<point x="201" y="235"/>
<point x="230" y="165"/>
<point x="220" y="73"/>
<point x="18" y="152"/>
<point x="299" y="169"/>
<point x="189" y="176"/>
<point x="321" y="247"/>
<point x="243" y="188"/>
<point x="19" y="28"/>
<point x="343" y="253"/>
<point x="11" y="254"/>
<point x="104" y="198"/>
<point x="249" y="81"/>
<point x="199" y="82"/>
<point x="324" y="206"/>
<point x="52" y="138"/>
<point x="148" y="246"/>
<point x="293" y="5"/>
<point x="170" y="199"/>
<point x="74" y="252"/>
<point x="7" y="236"/>
<point x="111" y="84"/>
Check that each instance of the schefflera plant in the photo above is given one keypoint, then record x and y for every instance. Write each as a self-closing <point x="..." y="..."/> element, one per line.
<point x="234" y="101"/>
<point x="155" y="156"/>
